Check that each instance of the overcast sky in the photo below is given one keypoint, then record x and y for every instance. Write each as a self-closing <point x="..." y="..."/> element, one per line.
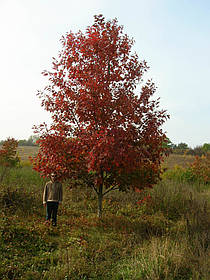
<point x="173" y="36"/>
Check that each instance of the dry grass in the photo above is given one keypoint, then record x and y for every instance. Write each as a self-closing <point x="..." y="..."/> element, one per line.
<point x="171" y="161"/>
<point x="165" y="238"/>
<point x="25" y="151"/>
<point x="182" y="160"/>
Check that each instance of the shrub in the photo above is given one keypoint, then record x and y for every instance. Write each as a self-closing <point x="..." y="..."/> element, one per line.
<point x="201" y="168"/>
<point x="198" y="171"/>
<point x="180" y="174"/>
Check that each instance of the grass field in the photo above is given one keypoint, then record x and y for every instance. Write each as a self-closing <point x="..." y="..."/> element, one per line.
<point x="25" y="151"/>
<point x="181" y="160"/>
<point x="165" y="237"/>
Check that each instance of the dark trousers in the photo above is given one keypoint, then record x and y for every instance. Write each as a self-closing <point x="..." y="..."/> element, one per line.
<point x="51" y="211"/>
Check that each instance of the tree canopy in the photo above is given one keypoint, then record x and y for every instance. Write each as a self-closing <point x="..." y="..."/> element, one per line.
<point x="103" y="130"/>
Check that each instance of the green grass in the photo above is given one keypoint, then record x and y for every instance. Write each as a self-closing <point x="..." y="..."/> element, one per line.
<point x="166" y="237"/>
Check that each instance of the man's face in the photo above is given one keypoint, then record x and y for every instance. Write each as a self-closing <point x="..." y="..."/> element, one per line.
<point x="53" y="177"/>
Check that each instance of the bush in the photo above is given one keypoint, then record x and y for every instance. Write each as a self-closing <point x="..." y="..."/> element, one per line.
<point x="197" y="172"/>
<point x="201" y="168"/>
<point x="180" y="174"/>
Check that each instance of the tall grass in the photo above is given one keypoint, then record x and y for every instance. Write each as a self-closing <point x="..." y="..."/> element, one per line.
<point x="164" y="237"/>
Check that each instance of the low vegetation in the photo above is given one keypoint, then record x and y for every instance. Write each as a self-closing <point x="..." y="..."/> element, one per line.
<point x="161" y="233"/>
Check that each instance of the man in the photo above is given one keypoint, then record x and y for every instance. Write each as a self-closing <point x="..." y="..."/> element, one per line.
<point x="52" y="196"/>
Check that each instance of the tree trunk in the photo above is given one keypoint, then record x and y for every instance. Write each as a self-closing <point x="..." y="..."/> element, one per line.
<point x="100" y="198"/>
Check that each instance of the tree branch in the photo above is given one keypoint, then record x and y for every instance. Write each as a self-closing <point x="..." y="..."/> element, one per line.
<point x="111" y="189"/>
<point x="93" y="187"/>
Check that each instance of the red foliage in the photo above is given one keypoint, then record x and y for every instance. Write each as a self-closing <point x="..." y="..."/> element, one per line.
<point x="144" y="200"/>
<point x="101" y="127"/>
<point x="200" y="168"/>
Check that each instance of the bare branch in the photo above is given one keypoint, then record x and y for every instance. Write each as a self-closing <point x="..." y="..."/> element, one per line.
<point x="111" y="189"/>
<point x="93" y="187"/>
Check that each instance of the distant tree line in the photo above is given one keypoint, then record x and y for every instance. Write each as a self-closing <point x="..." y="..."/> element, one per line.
<point x="184" y="149"/>
<point x="31" y="141"/>
<point x="181" y="148"/>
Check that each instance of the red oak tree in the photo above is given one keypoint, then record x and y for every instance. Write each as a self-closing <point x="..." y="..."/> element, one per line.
<point x="102" y="131"/>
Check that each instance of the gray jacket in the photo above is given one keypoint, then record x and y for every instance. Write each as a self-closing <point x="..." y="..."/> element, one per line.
<point x="53" y="192"/>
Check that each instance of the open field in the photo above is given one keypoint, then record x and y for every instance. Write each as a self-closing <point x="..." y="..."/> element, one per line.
<point x="182" y="160"/>
<point x="171" y="161"/>
<point x="25" y="151"/>
<point x="165" y="237"/>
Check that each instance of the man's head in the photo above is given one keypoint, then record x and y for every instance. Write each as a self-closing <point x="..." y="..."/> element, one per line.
<point x="53" y="177"/>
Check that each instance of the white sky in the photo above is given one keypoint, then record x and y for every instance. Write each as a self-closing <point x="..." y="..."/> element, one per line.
<point x="173" y="36"/>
